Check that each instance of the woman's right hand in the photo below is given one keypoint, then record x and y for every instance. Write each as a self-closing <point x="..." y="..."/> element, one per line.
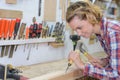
<point x="75" y="57"/>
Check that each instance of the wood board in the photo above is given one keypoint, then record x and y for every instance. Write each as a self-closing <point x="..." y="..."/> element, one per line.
<point x="60" y="75"/>
<point x="50" y="10"/>
<point x="4" y="13"/>
<point x="63" y="8"/>
<point x="11" y="1"/>
<point x="55" y="70"/>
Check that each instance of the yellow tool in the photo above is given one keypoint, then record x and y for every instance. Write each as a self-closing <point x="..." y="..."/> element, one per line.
<point x="70" y="62"/>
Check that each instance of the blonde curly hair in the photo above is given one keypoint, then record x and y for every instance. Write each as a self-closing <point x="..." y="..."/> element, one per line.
<point x="85" y="11"/>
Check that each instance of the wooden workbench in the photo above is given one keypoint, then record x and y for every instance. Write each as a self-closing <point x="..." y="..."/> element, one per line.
<point x="54" y="70"/>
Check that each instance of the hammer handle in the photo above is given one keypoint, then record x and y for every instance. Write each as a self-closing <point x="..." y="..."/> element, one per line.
<point x="90" y="58"/>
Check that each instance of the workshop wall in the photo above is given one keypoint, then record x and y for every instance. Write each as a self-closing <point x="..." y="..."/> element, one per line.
<point x="91" y="48"/>
<point x="45" y="52"/>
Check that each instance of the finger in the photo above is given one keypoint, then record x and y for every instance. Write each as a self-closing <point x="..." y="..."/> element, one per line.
<point x="97" y="64"/>
<point x="69" y="54"/>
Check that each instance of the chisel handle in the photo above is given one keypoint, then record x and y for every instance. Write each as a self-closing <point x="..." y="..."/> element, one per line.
<point x="12" y="25"/>
<point x="70" y="61"/>
<point x="6" y="29"/>
<point x="16" y="28"/>
<point x="2" y="28"/>
<point x="27" y="33"/>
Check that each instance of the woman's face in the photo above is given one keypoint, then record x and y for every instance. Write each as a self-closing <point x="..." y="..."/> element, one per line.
<point x="82" y="27"/>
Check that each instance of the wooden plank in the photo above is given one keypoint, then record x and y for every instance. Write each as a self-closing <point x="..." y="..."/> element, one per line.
<point x="4" y="13"/>
<point x="50" y="10"/>
<point x="11" y="1"/>
<point x="60" y="75"/>
<point x="63" y="8"/>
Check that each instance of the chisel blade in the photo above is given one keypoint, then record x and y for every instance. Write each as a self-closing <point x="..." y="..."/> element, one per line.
<point x="7" y="49"/>
<point x="11" y="51"/>
<point x="2" y="51"/>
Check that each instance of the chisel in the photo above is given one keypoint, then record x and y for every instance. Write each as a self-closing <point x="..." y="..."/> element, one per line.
<point x="39" y="30"/>
<point x="2" y="33"/>
<point x="16" y="28"/>
<point x="51" y="29"/>
<point x="0" y="29"/>
<point x="6" y="27"/>
<point x="11" y="29"/>
<point x="33" y="34"/>
<point x="70" y="62"/>
<point x="39" y="8"/>
<point x="26" y="35"/>
<point x="21" y="32"/>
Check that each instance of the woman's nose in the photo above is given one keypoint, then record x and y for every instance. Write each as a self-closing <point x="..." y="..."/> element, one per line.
<point x="79" y="32"/>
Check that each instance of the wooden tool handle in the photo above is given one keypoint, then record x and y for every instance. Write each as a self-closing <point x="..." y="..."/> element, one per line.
<point x="12" y="25"/>
<point x="6" y="29"/>
<point x="27" y="33"/>
<point x="2" y="28"/>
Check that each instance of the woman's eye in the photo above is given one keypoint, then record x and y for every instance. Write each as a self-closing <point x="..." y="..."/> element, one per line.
<point x="78" y="28"/>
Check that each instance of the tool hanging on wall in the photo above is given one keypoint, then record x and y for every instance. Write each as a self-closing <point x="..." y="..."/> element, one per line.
<point x="33" y="29"/>
<point x="39" y="30"/>
<point x="11" y="29"/>
<point x="26" y="36"/>
<point x="58" y="32"/>
<point x="1" y="28"/>
<point x="21" y="33"/>
<point x="32" y="34"/>
<point x="51" y="29"/>
<point x="29" y="52"/>
<point x="16" y="28"/>
<point x="1" y="33"/>
<point x="39" y="8"/>
<point x="6" y="27"/>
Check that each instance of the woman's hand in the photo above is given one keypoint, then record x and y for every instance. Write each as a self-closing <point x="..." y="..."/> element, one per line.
<point x="99" y="62"/>
<point x="75" y="57"/>
<point x="96" y="62"/>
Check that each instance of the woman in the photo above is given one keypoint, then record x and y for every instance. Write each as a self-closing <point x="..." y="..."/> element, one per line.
<point x="88" y="20"/>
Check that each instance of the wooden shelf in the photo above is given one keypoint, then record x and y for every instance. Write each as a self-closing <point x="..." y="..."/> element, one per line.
<point x="27" y="41"/>
<point x="56" y="44"/>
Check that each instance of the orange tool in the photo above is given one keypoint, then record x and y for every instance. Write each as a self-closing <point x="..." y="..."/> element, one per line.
<point x="11" y="29"/>
<point x="27" y="33"/>
<point x="6" y="28"/>
<point x="3" y="25"/>
<point x="0" y="28"/>
<point x="12" y="25"/>
<point x="16" y="28"/>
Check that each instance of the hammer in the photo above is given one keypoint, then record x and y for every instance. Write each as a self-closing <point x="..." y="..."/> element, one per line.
<point x="85" y="52"/>
<point x="88" y="56"/>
